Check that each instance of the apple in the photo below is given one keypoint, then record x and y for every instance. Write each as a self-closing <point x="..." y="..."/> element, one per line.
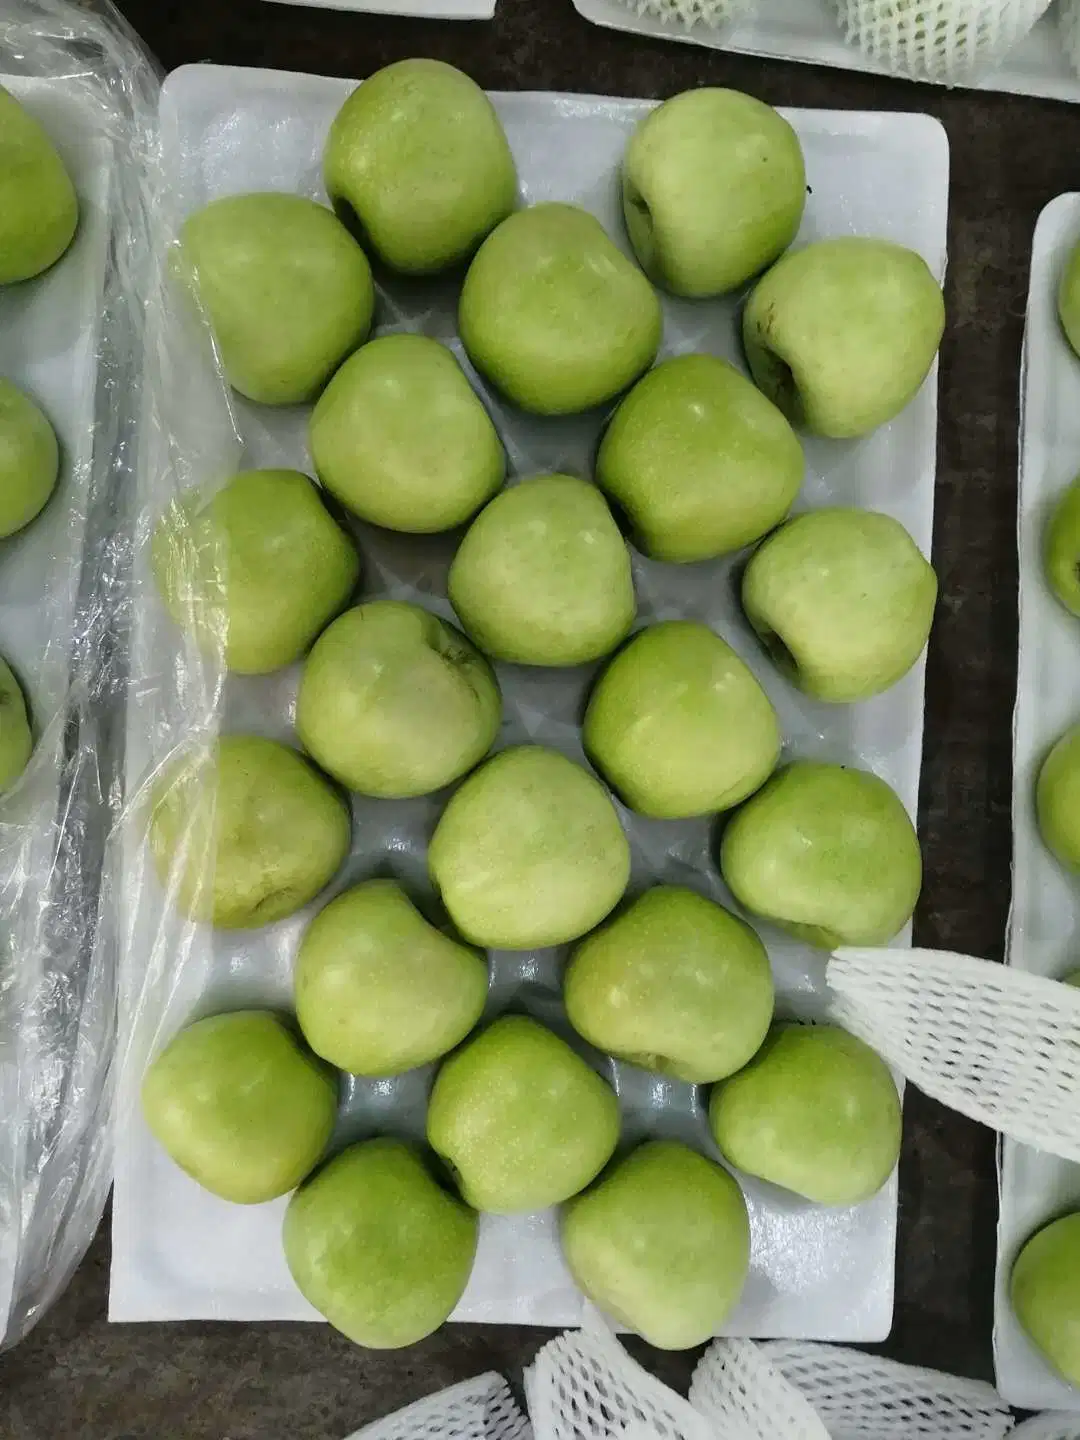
<point x="1068" y="298"/>
<point x="39" y="210"/>
<point x="841" y="334"/>
<point x="29" y="457"/>
<point x="1061" y="547"/>
<point x="529" y="852"/>
<point x="520" y="1118"/>
<point x="380" y="991"/>
<point x="816" y="1112"/>
<point x="673" y="983"/>
<point x="1057" y="799"/>
<point x="238" y="1103"/>
<point x="16" y="738"/>
<point x="378" y="1247"/>
<point x="245" y="832"/>
<point x="713" y="189"/>
<point x="1044" y="1290"/>
<point x="828" y="853"/>
<point x="394" y="701"/>
<point x="699" y="460"/>
<point x="543" y="576"/>
<point x="254" y="570"/>
<point x="286" y="289"/>
<point x="678" y="725"/>
<point x="843" y="600"/>
<point x="418" y="156"/>
<point x="661" y="1243"/>
<point x="400" y="437"/>
<point x="554" y="314"/>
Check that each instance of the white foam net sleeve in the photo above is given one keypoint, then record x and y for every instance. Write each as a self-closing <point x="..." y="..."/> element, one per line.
<point x="949" y="41"/>
<point x="688" y="13"/>
<point x="865" y="1397"/>
<point x="480" y="1409"/>
<point x="744" y="1396"/>
<point x="989" y="1041"/>
<point x="1069" y="31"/>
<point x="584" y="1386"/>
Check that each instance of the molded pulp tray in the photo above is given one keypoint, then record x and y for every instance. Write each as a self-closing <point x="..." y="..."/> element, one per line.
<point x="179" y="1253"/>
<point x="1045" y="918"/>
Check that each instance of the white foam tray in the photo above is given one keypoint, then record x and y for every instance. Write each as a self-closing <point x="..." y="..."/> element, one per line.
<point x="1044" y="923"/>
<point x="179" y="1253"/>
<point x="807" y="31"/>
<point x="49" y="329"/>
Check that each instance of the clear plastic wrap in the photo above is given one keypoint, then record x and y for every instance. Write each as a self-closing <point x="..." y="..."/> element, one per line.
<point x="178" y="1252"/>
<point x="71" y="338"/>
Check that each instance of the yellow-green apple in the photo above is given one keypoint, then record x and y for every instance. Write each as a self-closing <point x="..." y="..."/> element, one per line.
<point x="529" y="852"/>
<point x="1044" y="1289"/>
<point x="254" y="570"/>
<point x="1057" y="799"/>
<point x="816" y="1112"/>
<point x="554" y="314"/>
<point x="678" y="725"/>
<point x="29" y="457"/>
<point x="39" y="210"/>
<point x="16" y="737"/>
<point x="239" y="1104"/>
<point x="245" y="832"/>
<point x="542" y="576"/>
<point x="394" y="701"/>
<point x="713" y="190"/>
<point x="378" y="990"/>
<point x="1061" y="547"/>
<point x="520" y="1118"/>
<point x="828" y="853"/>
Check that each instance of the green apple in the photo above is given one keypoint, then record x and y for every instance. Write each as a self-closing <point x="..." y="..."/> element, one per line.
<point x="843" y="600"/>
<point x="828" y="853"/>
<point x="1057" y="799"/>
<point x="554" y="314"/>
<point x="286" y="289"/>
<point x="678" y="725"/>
<point x="245" y="832"/>
<point x="395" y="702"/>
<point x="529" y="852"/>
<point x="713" y="189"/>
<point x="29" y="457"/>
<point x="674" y="983"/>
<point x="371" y="452"/>
<point x="543" y="576"/>
<point x="39" y="210"/>
<point x="520" y="1118"/>
<point x="16" y="738"/>
<point x="240" y="1105"/>
<point x="661" y="1243"/>
<point x="1044" y="1290"/>
<point x="842" y="334"/>
<point x="380" y="991"/>
<point x="1068" y="298"/>
<point x="418" y="156"/>
<point x="699" y="460"/>
<point x="1061" y="546"/>
<point x="816" y="1111"/>
<point x="255" y="569"/>
<point x="378" y="1247"/>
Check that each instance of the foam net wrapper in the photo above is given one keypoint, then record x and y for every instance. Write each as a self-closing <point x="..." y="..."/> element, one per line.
<point x="480" y="1409"/>
<point x="948" y="41"/>
<point x="71" y="338"/>
<point x="710" y="14"/>
<point x="989" y="1041"/>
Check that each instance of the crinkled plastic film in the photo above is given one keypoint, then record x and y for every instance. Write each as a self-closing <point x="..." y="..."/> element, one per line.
<point x="72" y="339"/>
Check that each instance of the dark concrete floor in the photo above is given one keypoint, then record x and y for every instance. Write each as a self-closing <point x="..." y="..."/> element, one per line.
<point x="78" y="1377"/>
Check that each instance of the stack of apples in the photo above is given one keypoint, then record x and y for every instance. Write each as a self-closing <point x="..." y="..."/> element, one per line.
<point x="1045" y="1280"/>
<point x="695" y="461"/>
<point x="39" y="215"/>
